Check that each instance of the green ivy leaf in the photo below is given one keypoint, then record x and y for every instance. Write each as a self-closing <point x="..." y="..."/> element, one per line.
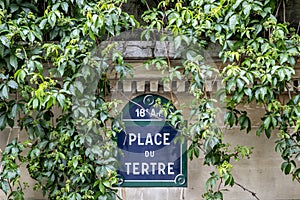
<point x="4" y="92"/>
<point x="261" y="93"/>
<point x="287" y="167"/>
<point x="52" y="19"/>
<point x="283" y="58"/>
<point x="12" y="84"/>
<point x="245" y="122"/>
<point x="210" y="143"/>
<point x="264" y="48"/>
<point x="31" y="36"/>
<point x="229" y="180"/>
<point x="5" y="186"/>
<point x="3" y="121"/>
<point x="35" y="103"/>
<point x="240" y="84"/>
<point x="237" y="4"/>
<point x="102" y="188"/>
<point x="233" y="22"/>
<point x="14" y="111"/>
<point x="61" y="100"/>
<point x="4" y="40"/>
<point x="43" y="24"/>
<point x="20" y="76"/>
<point x="13" y="61"/>
<point x="177" y="42"/>
<point x="246" y="9"/>
<point x="281" y="74"/>
<point x="267" y="122"/>
<point x="65" y="6"/>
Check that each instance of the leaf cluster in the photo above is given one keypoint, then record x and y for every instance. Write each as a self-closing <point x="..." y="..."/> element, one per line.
<point x="54" y="88"/>
<point x="259" y="56"/>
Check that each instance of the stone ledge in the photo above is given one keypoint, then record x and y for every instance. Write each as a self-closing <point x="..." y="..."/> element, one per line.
<point x="178" y="86"/>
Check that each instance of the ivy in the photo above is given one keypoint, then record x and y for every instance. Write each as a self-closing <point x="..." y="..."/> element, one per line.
<point x="55" y="86"/>
<point x="47" y="60"/>
<point x="259" y="55"/>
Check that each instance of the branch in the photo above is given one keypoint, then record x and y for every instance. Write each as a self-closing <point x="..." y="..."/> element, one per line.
<point x="10" y="187"/>
<point x="296" y="177"/>
<point x="283" y="5"/>
<point x="221" y="181"/>
<point x="247" y="190"/>
<point x="276" y="14"/>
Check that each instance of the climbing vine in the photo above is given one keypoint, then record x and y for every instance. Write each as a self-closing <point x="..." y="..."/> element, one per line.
<point x="45" y="48"/>
<point x="259" y="55"/>
<point x="48" y="62"/>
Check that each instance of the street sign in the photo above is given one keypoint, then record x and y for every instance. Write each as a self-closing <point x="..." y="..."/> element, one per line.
<point x="150" y="157"/>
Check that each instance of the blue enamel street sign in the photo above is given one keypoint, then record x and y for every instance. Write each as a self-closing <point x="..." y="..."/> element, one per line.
<point x="150" y="157"/>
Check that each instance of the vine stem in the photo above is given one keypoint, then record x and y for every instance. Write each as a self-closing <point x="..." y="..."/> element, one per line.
<point x="19" y="118"/>
<point x="276" y="14"/>
<point x="168" y="55"/>
<point x="289" y="92"/>
<point x="221" y="182"/>
<point x="247" y="190"/>
<point x="169" y="66"/>
<point x="297" y="179"/>
<point x="10" y="187"/>
<point x="283" y="5"/>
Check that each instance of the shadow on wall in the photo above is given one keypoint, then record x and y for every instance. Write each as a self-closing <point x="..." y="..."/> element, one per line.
<point x="289" y="11"/>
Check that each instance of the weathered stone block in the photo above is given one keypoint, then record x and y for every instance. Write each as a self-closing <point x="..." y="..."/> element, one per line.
<point x="153" y="86"/>
<point x="165" y="49"/>
<point x="138" y="49"/>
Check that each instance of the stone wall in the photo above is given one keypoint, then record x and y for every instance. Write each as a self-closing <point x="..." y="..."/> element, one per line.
<point x="261" y="174"/>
